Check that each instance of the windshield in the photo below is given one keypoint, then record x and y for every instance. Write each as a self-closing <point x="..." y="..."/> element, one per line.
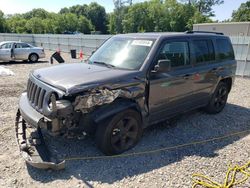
<point x="125" y="53"/>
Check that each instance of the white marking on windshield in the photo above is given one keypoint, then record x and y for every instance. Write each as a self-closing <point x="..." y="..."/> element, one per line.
<point x="142" y="43"/>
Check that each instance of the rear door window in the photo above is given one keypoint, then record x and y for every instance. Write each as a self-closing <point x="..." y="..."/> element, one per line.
<point x="204" y="51"/>
<point x="21" y="45"/>
<point x="18" y="45"/>
<point x="225" y="49"/>
<point x="24" y="45"/>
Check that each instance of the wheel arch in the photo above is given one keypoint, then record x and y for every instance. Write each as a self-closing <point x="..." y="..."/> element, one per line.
<point x="119" y="105"/>
<point x="228" y="81"/>
<point x="33" y="53"/>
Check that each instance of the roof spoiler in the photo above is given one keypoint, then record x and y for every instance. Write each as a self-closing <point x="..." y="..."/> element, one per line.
<point x="209" y="32"/>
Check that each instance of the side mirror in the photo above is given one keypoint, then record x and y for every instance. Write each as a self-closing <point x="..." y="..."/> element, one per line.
<point x="163" y="65"/>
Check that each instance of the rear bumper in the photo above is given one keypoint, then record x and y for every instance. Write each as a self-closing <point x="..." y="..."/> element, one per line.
<point x="32" y="146"/>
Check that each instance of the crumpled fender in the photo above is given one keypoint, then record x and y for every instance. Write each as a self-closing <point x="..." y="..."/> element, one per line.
<point x="111" y="109"/>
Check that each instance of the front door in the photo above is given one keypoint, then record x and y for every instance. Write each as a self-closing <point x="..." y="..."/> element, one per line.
<point x="171" y="92"/>
<point x="6" y="52"/>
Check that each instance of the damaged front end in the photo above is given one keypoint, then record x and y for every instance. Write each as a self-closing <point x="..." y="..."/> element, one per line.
<point x="86" y="103"/>
<point x="43" y="108"/>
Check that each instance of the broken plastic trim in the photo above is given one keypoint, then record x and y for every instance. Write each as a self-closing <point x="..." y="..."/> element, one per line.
<point x="35" y="153"/>
<point x="85" y="103"/>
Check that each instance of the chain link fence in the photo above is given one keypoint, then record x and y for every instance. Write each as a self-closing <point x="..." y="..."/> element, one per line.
<point x="89" y="43"/>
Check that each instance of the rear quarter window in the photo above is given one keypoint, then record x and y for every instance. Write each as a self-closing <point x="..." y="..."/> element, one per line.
<point x="225" y="49"/>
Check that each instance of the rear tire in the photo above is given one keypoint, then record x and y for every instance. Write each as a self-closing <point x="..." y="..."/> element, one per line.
<point x="119" y="133"/>
<point x="33" y="58"/>
<point x="218" y="100"/>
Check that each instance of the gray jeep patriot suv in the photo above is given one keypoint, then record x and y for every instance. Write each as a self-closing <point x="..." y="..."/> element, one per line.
<point x="132" y="81"/>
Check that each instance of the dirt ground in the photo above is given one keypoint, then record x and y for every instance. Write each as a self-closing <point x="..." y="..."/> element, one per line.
<point x="163" y="169"/>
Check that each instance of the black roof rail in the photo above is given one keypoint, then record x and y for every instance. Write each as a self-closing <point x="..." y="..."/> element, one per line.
<point x="210" y="32"/>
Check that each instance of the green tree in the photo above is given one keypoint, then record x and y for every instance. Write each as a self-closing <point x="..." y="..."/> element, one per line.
<point x="197" y="18"/>
<point x="243" y="13"/>
<point x="39" y="13"/>
<point x="79" y="10"/>
<point x="50" y="26"/>
<point x="70" y="22"/>
<point x="16" y="24"/>
<point x="59" y="25"/>
<point x="84" y="25"/>
<point x="98" y="17"/>
<point x="138" y="18"/>
<point x="35" y="25"/>
<point x="64" y="11"/>
<point x="111" y="23"/>
<point x="159" y="16"/>
<point x="3" y="24"/>
<point x="115" y="20"/>
<point x="205" y="7"/>
<point x="93" y="12"/>
<point x="148" y="16"/>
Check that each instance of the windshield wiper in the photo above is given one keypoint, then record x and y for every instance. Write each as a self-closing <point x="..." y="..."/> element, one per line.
<point x="105" y="64"/>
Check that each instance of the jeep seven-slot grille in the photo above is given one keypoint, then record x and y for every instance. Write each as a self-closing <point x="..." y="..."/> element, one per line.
<point x="35" y="95"/>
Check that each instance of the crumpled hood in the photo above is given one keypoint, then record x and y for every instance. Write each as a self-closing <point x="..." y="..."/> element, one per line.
<point x="76" y="77"/>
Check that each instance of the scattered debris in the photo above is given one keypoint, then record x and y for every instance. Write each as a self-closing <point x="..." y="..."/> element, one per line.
<point x="5" y="72"/>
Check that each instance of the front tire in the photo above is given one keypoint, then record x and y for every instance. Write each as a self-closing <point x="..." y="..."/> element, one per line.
<point x="119" y="133"/>
<point x="218" y="100"/>
<point x="33" y="58"/>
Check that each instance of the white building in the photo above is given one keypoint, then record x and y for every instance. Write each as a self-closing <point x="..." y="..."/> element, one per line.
<point x="228" y="28"/>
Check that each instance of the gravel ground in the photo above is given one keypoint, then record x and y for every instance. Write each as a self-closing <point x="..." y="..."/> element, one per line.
<point x="163" y="169"/>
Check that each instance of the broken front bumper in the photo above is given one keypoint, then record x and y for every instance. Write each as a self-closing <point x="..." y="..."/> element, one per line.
<point x="32" y="144"/>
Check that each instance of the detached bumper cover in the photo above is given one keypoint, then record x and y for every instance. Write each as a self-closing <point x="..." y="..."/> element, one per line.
<point x="32" y="146"/>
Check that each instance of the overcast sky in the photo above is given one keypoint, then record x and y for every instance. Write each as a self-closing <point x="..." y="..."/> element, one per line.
<point x="20" y="6"/>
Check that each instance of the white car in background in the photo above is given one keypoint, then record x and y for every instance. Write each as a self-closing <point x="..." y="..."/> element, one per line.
<point x="12" y="51"/>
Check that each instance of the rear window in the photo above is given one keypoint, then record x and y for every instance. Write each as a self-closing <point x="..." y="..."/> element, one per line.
<point x="225" y="49"/>
<point x="204" y="51"/>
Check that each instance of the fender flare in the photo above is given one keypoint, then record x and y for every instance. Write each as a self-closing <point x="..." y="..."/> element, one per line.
<point x="220" y="78"/>
<point x="109" y="110"/>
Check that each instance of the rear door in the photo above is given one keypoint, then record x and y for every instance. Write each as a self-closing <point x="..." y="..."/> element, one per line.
<point x="21" y="51"/>
<point x="205" y="67"/>
<point x="5" y="52"/>
<point x="171" y="92"/>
